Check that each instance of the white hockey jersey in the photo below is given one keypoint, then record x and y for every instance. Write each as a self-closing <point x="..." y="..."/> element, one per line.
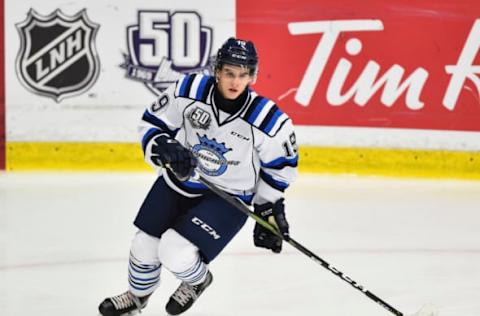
<point x="252" y="152"/>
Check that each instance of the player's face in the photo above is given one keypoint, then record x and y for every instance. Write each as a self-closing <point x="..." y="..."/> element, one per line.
<point x="232" y="81"/>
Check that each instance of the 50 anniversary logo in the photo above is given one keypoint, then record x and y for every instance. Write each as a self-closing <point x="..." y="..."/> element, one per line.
<point x="164" y="45"/>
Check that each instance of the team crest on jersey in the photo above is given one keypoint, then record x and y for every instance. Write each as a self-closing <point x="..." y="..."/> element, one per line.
<point x="164" y="45"/>
<point x="199" y="118"/>
<point x="57" y="56"/>
<point x="211" y="156"/>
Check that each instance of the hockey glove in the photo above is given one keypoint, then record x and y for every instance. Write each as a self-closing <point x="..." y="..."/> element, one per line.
<point x="169" y="153"/>
<point x="275" y="215"/>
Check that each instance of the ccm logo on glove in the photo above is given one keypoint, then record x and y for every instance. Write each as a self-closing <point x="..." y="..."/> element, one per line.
<point x="274" y="213"/>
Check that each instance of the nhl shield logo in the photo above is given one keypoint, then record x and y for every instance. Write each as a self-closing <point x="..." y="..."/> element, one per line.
<point x="57" y="56"/>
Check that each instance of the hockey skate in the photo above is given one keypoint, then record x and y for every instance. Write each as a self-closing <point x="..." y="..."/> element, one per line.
<point x="186" y="295"/>
<point x="123" y="304"/>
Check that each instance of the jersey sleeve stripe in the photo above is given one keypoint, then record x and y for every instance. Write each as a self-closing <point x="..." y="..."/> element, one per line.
<point x="187" y="186"/>
<point x="151" y="133"/>
<point x="206" y="89"/>
<point x="276" y="184"/>
<point x="147" y="117"/>
<point x="256" y="112"/>
<point x="252" y="107"/>
<point x="281" y="163"/>
<point x="194" y="185"/>
<point x="201" y="88"/>
<point x="195" y="87"/>
<point x="245" y="198"/>
<point x="277" y="125"/>
<point x="186" y="85"/>
<point x="263" y="113"/>
<point x="273" y="120"/>
<point x="270" y="119"/>
<point x="192" y="94"/>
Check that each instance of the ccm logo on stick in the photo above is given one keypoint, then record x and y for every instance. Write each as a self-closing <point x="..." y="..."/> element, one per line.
<point x="197" y="221"/>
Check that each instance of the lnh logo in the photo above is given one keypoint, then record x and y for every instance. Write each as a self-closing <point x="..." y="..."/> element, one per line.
<point x="367" y="84"/>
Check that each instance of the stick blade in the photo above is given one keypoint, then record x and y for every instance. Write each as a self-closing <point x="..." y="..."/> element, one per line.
<point x="427" y="310"/>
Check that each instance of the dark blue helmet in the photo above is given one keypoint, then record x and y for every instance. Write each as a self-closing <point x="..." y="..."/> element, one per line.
<point x="238" y="52"/>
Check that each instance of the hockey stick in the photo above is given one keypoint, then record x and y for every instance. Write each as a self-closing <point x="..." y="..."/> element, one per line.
<point x="425" y="311"/>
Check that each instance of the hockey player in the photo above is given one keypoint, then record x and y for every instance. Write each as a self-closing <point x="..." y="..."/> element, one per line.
<point x="233" y="137"/>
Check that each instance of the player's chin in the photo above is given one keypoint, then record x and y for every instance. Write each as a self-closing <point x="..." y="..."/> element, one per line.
<point x="232" y="95"/>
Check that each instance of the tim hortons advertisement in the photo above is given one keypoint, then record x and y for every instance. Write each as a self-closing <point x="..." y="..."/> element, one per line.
<point x="369" y="63"/>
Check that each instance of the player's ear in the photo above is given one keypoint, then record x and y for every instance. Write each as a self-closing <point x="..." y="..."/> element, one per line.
<point x="217" y="74"/>
<point x="253" y="79"/>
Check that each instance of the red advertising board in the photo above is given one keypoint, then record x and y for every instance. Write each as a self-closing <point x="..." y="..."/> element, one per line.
<point x="398" y="64"/>
<point x="2" y="88"/>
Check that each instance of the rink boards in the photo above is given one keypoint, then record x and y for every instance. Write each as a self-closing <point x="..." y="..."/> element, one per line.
<point x="334" y="160"/>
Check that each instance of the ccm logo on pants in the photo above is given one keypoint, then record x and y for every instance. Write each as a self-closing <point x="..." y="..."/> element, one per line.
<point x="197" y="221"/>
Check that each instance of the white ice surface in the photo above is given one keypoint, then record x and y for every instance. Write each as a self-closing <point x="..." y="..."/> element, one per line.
<point x="64" y="241"/>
